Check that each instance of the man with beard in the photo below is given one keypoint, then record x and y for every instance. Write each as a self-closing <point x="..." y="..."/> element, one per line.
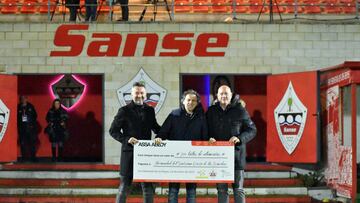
<point x="133" y="122"/>
<point x="186" y="123"/>
<point x="227" y="120"/>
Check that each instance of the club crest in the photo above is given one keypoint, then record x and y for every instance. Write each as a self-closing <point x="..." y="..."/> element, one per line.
<point x="155" y="93"/>
<point x="69" y="90"/>
<point x="4" y="119"/>
<point x="290" y="118"/>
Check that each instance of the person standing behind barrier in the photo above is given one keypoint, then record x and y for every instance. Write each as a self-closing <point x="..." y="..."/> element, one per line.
<point x="133" y="122"/>
<point x="73" y="6"/>
<point x="26" y="125"/>
<point x="124" y="9"/>
<point x="186" y="123"/>
<point x="91" y="7"/>
<point x="228" y="120"/>
<point x="56" y="129"/>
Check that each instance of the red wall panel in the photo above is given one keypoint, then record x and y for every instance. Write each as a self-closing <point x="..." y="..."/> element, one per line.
<point x="8" y="95"/>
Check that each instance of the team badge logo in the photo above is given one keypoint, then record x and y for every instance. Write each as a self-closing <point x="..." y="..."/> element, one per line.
<point x="155" y="93"/>
<point x="69" y="90"/>
<point x="290" y="118"/>
<point x="4" y="118"/>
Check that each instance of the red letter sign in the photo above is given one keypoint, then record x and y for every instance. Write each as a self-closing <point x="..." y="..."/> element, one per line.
<point x="203" y="43"/>
<point x="170" y="42"/>
<point x="75" y="42"/>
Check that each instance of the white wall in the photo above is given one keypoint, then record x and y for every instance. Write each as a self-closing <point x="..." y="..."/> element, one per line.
<point x="253" y="48"/>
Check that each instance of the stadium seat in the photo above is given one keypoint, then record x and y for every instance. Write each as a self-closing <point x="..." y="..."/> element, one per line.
<point x="29" y="6"/>
<point x="218" y="6"/>
<point x="312" y="7"/>
<point x="256" y="5"/>
<point x="241" y="6"/>
<point x="277" y="8"/>
<point x="332" y="6"/>
<point x="44" y="6"/>
<point x="348" y="6"/>
<point x="291" y="5"/>
<point x="104" y="7"/>
<point x="198" y="6"/>
<point x="182" y="6"/>
<point x="9" y="7"/>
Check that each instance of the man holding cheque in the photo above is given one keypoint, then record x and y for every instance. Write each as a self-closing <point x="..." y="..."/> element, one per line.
<point x="186" y="123"/>
<point x="227" y="120"/>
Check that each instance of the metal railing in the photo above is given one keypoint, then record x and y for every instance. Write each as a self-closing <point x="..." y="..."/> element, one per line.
<point x="272" y="6"/>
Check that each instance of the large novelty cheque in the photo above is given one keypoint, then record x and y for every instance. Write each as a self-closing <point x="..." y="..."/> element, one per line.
<point x="184" y="161"/>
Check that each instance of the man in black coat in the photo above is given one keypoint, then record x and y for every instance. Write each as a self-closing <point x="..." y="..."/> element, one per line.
<point x="26" y="125"/>
<point x="228" y="120"/>
<point x="133" y="122"/>
<point x="186" y="123"/>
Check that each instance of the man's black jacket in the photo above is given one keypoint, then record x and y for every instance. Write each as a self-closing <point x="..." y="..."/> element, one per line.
<point x="181" y="126"/>
<point x="132" y="121"/>
<point x="27" y="128"/>
<point x="233" y="121"/>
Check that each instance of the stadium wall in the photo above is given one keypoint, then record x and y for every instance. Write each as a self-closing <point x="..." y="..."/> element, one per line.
<point x="252" y="48"/>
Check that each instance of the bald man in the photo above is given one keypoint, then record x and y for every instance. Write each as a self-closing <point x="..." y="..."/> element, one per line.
<point x="228" y="121"/>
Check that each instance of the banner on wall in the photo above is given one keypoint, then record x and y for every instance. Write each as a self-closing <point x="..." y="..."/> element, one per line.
<point x="8" y="127"/>
<point x="154" y="92"/>
<point x="290" y="119"/>
<point x="4" y="118"/>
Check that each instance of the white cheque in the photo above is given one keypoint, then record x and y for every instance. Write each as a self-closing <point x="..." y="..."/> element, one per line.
<point x="184" y="161"/>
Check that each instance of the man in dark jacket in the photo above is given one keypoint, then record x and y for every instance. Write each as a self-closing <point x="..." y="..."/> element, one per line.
<point x="185" y="123"/>
<point x="133" y="122"/>
<point x="26" y="125"/>
<point x="230" y="121"/>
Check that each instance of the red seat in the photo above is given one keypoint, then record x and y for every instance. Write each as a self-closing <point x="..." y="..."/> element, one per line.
<point x="291" y="5"/>
<point x="9" y="7"/>
<point x="256" y="6"/>
<point x="198" y="6"/>
<point x="182" y="6"/>
<point x="29" y="6"/>
<point x="218" y="6"/>
<point x="277" y="8"/>
<point x="241" y="6"/>
<point x="104" y="7"/>
<point x="312" y="7"/>
<point x="348" y="6"/>
<point x="332" y="7"/>
<point x="44" y="6"/>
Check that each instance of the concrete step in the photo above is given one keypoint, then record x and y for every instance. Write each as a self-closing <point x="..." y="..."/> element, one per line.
<point x="107" y="199"/>
<point x="114" y="183"/>
<point x="159" y="191"/>
<point x="115" y="174"/>
<point x="113" y="167"/>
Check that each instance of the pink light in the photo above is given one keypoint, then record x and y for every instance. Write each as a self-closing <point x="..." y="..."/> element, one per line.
<point x="81" y="96"/>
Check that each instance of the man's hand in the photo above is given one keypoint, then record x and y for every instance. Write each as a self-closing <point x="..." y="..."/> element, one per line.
<point x="158" y="140"/>
<point x="212" y="140"/>
<point x="234" y="140"/>
<point x="133" y="140"/>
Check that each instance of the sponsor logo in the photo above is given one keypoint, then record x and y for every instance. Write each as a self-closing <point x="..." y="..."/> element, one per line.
<point x="4" y="119"/>
<point x="69" y="90"/>
<point x="155" y="93"/>
<point x="108" y="44"/>
<point x="151" y="144"/>
<point x="290" y="117"/>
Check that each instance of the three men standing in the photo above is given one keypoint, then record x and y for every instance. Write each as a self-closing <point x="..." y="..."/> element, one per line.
<point x="226" y="120"/>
